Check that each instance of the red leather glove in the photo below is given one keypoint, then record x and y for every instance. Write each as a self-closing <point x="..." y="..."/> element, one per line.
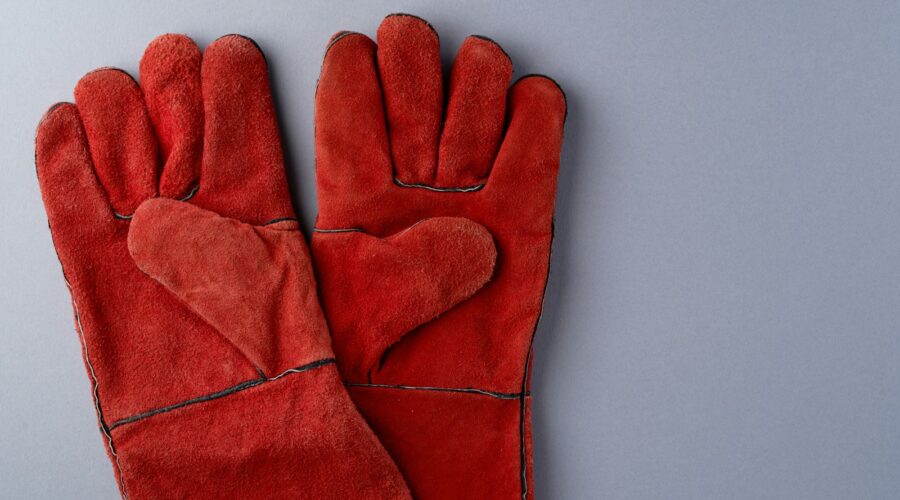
<point x="449" y="400"/>
<point x="218" y="381"/>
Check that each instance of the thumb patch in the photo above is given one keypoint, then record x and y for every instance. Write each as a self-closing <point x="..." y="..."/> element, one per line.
<point x="253" y="284"/>
<point x="375" y="290"/>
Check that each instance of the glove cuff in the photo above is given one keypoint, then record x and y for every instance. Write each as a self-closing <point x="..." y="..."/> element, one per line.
<point x="453" y="443"/>
<point x="290" y="436"/>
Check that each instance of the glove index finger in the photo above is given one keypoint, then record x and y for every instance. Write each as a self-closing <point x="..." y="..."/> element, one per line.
<point x="353" y="158"/>
<point x="242" y="174"/>
<point x="170" y="80"/>
<point x="409" y="65"/>
<point x="475" y="112"/>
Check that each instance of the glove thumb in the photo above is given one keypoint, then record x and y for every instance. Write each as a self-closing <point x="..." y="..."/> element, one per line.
<point x="254" y="284"/>
<point x="375" y="290"/>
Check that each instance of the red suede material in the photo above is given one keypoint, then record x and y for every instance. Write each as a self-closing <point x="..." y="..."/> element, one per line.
<point x="476" y="110"/>
<point x="110" y="105"/>
<point x="528" y="446"/>
<point x="139" y="364"/>
<point x="253" y="284"/>
<point x="190" y="452"/>
<point x="448" y="445"/>
<point x="411" y="81"/>
<point x="188" y="394"/>
<point x="173" y="95"/>
<point x="485" y="341"/>
<point x="242" y="169"/>
<point x="389" y="286"/>
<point x="516" y="205"/>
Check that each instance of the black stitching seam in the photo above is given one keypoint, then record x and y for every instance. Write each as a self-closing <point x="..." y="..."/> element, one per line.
<point x="467" y="390"/>
<point x="343" y="230"/>
<point x="95" y="394"/>
<point x="247" y="38"/>
<point x="491" y="40"/>
<point x="465" y="189"/>
<point x="554" y="82"/>
<point x="190" y="195"/>
<point x="216" y="395"/>
<point x="360" y="230"/>
<point x="280" y="219"/>
<point x="95" y="384"/>
<point x="406" y="14"/>
<point x="524" y="394"/>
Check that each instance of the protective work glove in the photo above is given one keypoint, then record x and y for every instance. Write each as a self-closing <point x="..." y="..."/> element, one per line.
<point x="207" y="351"/>
<point x="449" y="400"/>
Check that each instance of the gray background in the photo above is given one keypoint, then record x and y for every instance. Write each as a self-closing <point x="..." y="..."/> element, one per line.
<point x="723" y="316"/>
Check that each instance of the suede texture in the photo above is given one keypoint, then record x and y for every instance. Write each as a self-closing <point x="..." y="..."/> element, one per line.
<point x="448" y="444"/>
<point x="207" y="351"/>
<point x="295" y="437"/>
<point x="449" y="399"/>
<point x="253" y="284"/>
<point x="386" y="287"/>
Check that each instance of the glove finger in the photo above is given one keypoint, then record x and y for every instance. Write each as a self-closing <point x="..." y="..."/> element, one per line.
<point x="528" y="162"/>
<point x="77" y="207"/>
<point x="475" y="113"/>
<point x="352" y="154"/>
<point x="242" y="175"/>
<point x="374" y="290"/>
<point x="121" y="139"/>
<point x="409" y="64"/>
<point x="170" y="80"/>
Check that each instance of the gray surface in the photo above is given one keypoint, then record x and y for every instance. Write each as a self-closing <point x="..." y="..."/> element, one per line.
<point x="723" y="318"/>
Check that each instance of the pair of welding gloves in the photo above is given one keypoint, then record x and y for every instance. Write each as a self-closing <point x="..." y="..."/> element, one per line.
<point x="389" y="359"/>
